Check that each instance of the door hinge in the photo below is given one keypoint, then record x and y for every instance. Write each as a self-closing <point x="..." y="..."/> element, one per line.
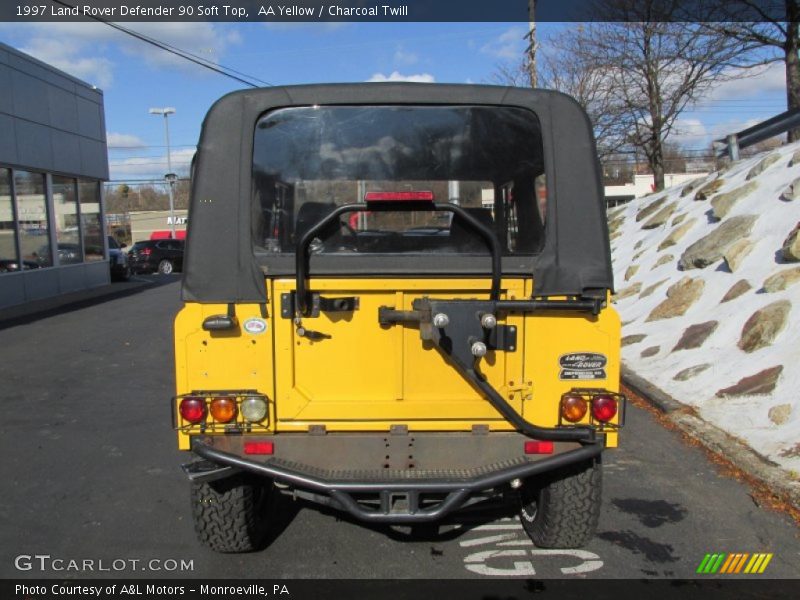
<point x="520" y="389"/>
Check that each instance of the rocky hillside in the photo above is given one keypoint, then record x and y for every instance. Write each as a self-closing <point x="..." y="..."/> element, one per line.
<point x="708" y="289"/>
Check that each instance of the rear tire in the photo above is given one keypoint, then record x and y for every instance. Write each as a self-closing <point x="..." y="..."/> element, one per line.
<point x="165" y="267"/>
<point x="231" y="514"/>
<point x="562" y="509"/>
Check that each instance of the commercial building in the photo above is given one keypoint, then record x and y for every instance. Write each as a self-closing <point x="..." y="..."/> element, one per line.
<point x="643" y="185"/>
<point x="157" y="224"/>
<point x="53" y="159"/>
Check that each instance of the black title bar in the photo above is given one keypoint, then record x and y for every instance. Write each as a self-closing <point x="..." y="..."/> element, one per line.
<point x="365" y="11"/>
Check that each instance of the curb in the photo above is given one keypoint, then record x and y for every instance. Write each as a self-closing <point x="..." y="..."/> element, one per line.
<point x="37" y="309"/>
<point x="715" y="439"/>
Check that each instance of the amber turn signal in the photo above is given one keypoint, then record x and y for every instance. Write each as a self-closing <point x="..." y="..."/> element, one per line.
<point x="223" y="409"/>
<point x="573" y="407"/>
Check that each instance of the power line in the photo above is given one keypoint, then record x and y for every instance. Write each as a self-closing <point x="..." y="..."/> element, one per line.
<point x="148" y="164"/>
<point x="173" y="50"/>
<point x="143" y="146"/>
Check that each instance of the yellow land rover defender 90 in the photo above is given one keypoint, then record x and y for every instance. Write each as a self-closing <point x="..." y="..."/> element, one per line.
<point x="397" y="305"/>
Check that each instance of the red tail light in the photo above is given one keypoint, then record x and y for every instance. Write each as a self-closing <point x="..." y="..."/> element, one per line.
<point x="259" y="448"/>
<point x="193" y="409"/>
<point x="604" y="408"/>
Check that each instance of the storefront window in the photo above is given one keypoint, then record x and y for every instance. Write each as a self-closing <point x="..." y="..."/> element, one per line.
<point x="89" y="194"/>
<point x="9" y="261"/>
<point x="65" y="202"/>
<point x="34" y="227"/>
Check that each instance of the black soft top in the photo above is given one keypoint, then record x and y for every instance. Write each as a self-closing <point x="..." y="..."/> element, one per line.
<point x="221" y="264"/>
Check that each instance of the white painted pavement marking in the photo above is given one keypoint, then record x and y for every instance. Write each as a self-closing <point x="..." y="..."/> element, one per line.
<point x="507" y="546"/>
<point x="476" y="563"/>
<point x="591" y="562"/>
<point x="488" y="539"/>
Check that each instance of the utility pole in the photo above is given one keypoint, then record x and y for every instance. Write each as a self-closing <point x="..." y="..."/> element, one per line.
<point x="170" y="176"/>
<point x="532" y="42"/>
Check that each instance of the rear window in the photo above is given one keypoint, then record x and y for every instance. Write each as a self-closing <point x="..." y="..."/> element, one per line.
<point x="486" y="159"/>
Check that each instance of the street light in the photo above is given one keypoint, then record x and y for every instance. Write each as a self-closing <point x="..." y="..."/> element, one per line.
<point x="170" y="176"/>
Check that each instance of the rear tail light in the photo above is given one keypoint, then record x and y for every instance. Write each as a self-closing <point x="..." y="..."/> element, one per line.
<point x="254" y="409"/>
<point x="573" y="407"/>
<point x="193" y="409"/>
<point x="259" y="448"/>
<point x="223" y="409"/>
<point x="604" y="407"/>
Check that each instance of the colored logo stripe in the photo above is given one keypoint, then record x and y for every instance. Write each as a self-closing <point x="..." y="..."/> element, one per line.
<point x="734" y="563"/>
<point x="730" y="563"/>
<point x="711" y="563"/>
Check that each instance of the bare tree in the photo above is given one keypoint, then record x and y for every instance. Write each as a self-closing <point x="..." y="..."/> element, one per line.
<point x="515" y="74"/>
<point x="569" y="66"/>
<point x="635" y="71"/>
<point x="769" y="24"/>
<point x="562" y="68"/>
<point x="655" y="67"/>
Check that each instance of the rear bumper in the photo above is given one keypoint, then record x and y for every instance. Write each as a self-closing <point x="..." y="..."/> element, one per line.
<point x="142" y="266"/>
<point x="410" y="486"/>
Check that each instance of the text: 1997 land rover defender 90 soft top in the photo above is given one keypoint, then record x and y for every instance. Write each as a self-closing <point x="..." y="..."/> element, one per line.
<point x="396" y="304"/>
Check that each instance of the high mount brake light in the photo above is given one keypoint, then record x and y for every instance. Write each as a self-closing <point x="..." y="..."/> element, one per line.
<point x="398" y="197"/>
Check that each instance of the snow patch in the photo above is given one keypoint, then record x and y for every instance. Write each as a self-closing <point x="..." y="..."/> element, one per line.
<point x="640" y="254"/>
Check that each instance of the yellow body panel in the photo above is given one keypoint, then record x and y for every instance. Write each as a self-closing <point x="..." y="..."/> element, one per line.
<point x="368" y="378"/>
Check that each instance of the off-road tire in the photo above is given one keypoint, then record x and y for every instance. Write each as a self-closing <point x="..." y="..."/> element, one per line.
<point x="165" y="267"/>
<point x="561" y="510"/>
<point x="231" y="514"/>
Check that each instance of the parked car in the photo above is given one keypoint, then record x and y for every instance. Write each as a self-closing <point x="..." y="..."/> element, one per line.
<point x="11" y="265"/>
<point x="117" y="260"/>
<point x="68" y="254"/>
<point x="151" y="256"/>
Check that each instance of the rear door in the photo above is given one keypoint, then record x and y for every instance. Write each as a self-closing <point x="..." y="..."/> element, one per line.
<point x="400" y="163"/>
<point x="368" y="376"/>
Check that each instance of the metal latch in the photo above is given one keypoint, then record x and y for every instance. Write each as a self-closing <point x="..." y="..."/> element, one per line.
<point x="318" y="304"/>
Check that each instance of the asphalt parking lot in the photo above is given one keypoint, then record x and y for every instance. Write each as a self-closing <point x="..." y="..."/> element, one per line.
<point x="91" y="471"/>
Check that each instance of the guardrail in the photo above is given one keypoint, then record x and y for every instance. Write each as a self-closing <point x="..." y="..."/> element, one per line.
<point x="758" y="133"/>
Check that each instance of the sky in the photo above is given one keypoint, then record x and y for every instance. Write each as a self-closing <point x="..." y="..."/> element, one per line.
<point x="135" y="76"/>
